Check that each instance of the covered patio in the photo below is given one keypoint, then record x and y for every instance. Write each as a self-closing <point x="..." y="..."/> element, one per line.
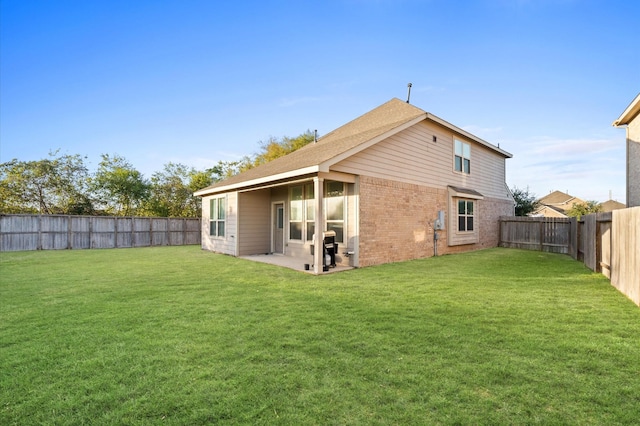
<point x="290" y="262"/>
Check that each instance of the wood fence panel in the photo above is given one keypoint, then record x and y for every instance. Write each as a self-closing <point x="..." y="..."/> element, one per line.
<point x="53" y="232"/>
<point x="625" y="247"/>
<point x="160" y="227"/>
<point x="536" y="233"/>
<point x="103" y="232"/>
<point x="177" y="231"/>
<point x="56" y="232"/>
<point x="193" y="233"/>
<point x="141" y="232"/>
<point x="603" y="242"/>
<point x="80" y="232"/>
<point x="124" y="237"/>
<point x="573" y="238"/>
<point x="588" y="237"/>
<point x="18" y="231"/>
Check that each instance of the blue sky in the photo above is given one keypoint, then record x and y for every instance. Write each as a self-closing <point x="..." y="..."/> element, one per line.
<point x="196" y="82"/>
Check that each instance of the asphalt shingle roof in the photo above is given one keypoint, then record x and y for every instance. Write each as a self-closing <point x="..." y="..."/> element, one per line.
<point x="374" y="123"/>
<point x="345" y="140"/>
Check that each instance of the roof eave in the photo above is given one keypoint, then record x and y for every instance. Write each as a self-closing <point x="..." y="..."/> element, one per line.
<point x="255" y="182"/>
<point x="629" y="113"/>
<point x="468" y="135"/>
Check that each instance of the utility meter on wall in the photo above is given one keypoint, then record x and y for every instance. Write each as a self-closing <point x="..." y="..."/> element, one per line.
<point x="439" y="223"/>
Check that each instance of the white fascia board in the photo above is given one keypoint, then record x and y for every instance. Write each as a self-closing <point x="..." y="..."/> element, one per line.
<point x="324" y="167"/>
<point x="631" y="111"/>
<point x="254" y="182"/>
<point x="468" y="135"/>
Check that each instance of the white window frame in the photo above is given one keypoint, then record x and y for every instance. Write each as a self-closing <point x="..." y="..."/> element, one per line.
<point x="329" y="199"/>
<point x="306" y="219"/>
<point x="467" y="216"/>
<point x="293" y="218"/>
<point x="456" y="236"/>
<point x="217" y="217"/>
<point x="462" y="151"/>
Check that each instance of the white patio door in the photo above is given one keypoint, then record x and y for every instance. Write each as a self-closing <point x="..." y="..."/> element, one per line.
<point x="278" y="228"/>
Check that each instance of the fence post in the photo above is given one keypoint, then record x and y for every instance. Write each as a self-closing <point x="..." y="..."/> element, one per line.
<point x="39" y="246"/>
<point x="541" y="229"/>
<point x="573" y="238"/>
<point x="598" y="244"/>
<point x="69" y="234"/>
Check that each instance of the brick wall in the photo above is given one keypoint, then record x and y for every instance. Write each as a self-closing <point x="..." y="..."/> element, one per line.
<point x="396" y="221"/>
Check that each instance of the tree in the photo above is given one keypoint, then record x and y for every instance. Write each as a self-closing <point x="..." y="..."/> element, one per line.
<point x="120" y="189"/>
<point x="57" y="184"/>
<point x="526" y="203"/>
<point x="580" y="209"/>
<point x="274" y="148"/>
<point x="171" y="191"/>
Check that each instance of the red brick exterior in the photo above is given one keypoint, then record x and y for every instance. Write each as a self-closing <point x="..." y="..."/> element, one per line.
<point x="396" y="221"/>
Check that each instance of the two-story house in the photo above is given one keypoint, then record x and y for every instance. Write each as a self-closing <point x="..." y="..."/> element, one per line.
<point x="396" y="183"/>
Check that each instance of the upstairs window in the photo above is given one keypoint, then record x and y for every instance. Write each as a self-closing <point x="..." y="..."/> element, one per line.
<point x="462" y="157"/>
<point x="217" y="215"/>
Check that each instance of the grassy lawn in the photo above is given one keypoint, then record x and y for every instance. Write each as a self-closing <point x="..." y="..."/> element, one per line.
<point x="175" y="335"/>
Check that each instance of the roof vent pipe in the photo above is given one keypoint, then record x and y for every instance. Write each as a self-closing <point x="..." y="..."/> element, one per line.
<point x="315" y="136"/>
<point x="409" y="92"/>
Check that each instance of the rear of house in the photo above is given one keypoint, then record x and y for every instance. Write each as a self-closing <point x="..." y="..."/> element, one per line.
<point x="630" y="120"/>
<point x="395" y="184"/>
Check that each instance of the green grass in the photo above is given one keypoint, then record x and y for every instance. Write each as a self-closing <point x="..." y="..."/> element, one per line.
<point x="175" y="335"/>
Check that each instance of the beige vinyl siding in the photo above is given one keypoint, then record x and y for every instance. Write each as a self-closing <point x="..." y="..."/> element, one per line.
<point x="226" y="244"/>
<point x="254" y="234"/>
<point x="411" y="156"/>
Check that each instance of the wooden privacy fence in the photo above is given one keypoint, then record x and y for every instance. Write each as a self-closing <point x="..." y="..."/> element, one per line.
<point x="56" y="232"/>
<point x="606" y="242"/>
<point x="537" y="233"/>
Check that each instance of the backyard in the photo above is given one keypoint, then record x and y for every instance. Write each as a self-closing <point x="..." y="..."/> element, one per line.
<point x="176" y="335"/>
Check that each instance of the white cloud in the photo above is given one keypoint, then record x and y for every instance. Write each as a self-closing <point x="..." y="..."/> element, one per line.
<point x="586" y="168"/>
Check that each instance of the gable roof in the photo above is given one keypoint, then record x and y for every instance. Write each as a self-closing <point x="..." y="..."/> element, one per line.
<point x="349" y="139"/>
<point x="548" y="211"/>
<point x="556" y="198"/>
<point x="629" y="113"/>
<point x="611" y="205"/>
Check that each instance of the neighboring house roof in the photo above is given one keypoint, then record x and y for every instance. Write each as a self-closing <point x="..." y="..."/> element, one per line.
<point x="548" y="211"/>
<point x="629" y="113"/>
<point x="556" y="204"/>
<point x="611" y="205"/>
<point x="556" y="198"/>
<point x="347" y="140"/>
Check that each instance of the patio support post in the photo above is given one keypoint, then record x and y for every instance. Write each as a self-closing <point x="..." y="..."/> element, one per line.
<point x="318" y="254"/>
